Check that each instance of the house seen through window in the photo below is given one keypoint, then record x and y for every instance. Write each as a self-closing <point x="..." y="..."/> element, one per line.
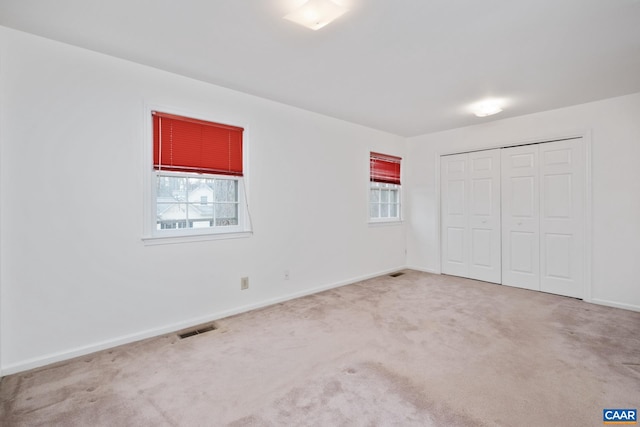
<point x="188" y="202"/>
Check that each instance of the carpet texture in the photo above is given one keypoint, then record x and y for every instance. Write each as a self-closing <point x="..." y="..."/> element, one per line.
<point x="416" y="350"/>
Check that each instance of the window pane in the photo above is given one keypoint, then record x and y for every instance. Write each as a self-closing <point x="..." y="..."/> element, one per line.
<point x="199" y="213"/>
<point x="393" y="196"/>
<point x="384" y="196"/>
<point x="171" y="215"/>
<point x="226" y="190"/>
<point x="374" y="210"/>
<point x="394" y="211"/>
<point x="199" y="210"/>
<point x="200" y="197"/>
<point x="374" y="195"/>
<point x="194" y="183"/>
<point x="226" y="214"/>
<point x="171" y="187"/>
<point x="384" y="210"/>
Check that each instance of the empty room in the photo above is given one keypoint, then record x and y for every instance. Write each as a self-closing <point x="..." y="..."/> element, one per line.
<point x="319" y="212"/>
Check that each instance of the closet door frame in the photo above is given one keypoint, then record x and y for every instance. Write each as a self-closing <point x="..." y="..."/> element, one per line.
<point x="587" y="191"/>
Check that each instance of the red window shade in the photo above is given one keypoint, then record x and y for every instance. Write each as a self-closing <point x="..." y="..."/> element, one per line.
<point x="188" y="145"/>
<point x="385" y="168"/>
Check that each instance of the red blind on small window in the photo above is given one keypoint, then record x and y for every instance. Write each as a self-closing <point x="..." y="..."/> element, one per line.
<point x="182" y="144"/>
<point x="385" y="168"/>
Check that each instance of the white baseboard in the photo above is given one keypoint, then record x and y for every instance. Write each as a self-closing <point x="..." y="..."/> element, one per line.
<point x="424" y="270"/>
<point x="37" y="362"/>
<point x="615" y="304"/>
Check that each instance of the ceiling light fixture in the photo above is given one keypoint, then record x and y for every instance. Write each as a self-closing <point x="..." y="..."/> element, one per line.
<point x="487" y="107"/>
<point x="315" y="14"/>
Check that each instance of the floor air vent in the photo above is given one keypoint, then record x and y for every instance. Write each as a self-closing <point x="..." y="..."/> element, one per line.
<point x="197" y="331"/>
<point x="398" y="274"/>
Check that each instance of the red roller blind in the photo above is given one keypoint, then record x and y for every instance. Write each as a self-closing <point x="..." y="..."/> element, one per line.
<point x="182" y="144"/>
<point x="385" y="168"/>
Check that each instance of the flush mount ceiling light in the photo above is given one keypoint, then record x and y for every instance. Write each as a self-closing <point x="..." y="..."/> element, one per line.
<point x="488" y="107"/>
<point x="315" y="14"/>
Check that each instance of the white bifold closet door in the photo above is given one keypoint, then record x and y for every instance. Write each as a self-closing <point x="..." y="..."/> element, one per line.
<point x="521" y="217"/>
<point x="542" y="217"/>
<point x="516" y="216"/>
<point x="470" y="213"/>
<point x="562" y="218"/>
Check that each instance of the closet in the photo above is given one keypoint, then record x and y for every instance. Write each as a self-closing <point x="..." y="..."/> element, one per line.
<point x="515" y="216"/>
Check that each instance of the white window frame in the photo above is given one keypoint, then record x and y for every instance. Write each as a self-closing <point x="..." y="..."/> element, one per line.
<point x="387" y="187"/>
<point x="151" y="235"/>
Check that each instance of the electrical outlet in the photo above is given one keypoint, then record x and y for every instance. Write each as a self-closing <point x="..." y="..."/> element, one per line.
<point x="244" y="283"/>
<point x="286" y="275"/>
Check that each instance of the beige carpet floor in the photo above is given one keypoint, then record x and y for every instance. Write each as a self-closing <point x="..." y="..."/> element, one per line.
<point x="416" y="350"/>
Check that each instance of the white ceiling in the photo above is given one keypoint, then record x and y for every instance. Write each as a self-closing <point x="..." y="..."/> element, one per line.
<point x="404" y="66"/>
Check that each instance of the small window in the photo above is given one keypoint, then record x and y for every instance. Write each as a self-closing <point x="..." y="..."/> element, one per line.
<point x="384" y="193"/>
<point x="198" y="177"/>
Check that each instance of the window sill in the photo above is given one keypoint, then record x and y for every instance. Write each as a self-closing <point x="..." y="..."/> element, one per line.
<point x="168" y="240"/>
<point x="385" y="223"/>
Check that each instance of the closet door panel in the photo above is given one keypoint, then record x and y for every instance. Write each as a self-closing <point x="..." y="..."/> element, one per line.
<point x="520" y="217"/>
<point x="562" y="218"/>
<point x="484" y="216"/>
<point x="454" y="228"/>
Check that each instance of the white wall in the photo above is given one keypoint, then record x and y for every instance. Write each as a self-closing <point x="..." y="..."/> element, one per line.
<point x="76" y="276"/>
<point x="614" y="126"/>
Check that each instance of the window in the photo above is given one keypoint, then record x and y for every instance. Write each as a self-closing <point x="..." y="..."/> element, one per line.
<point x="197" y="177"/>
<point x="384" y="193"/>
